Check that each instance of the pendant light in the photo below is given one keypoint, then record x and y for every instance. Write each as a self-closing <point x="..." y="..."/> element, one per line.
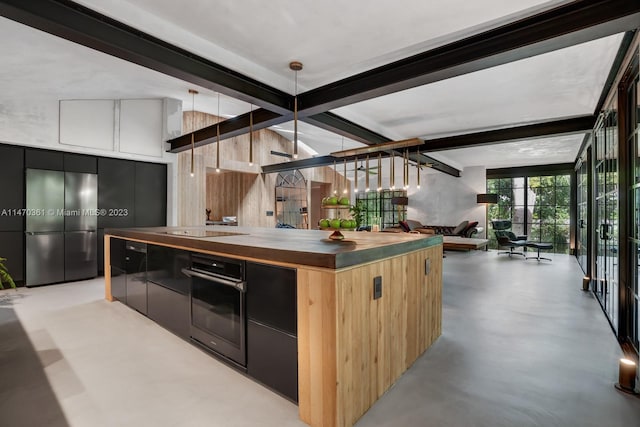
<point x="418" y="183"/>
<point x="335" y="178"/>
<point x="366" y="178"/>
<point x="344" y="177"/>
<point x="295" y="66"/>
<point x="392" y="167"/>
<point x="355" y="170"/>
<point x="251" y="136"/>
<point x="218" y="138"/>
<point x="379" y="172"/>
<point x="406" y="169"/>
<point x="193" y="93"/>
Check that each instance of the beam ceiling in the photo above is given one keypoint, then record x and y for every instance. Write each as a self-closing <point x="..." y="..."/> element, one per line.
<point x="568" y="24"/>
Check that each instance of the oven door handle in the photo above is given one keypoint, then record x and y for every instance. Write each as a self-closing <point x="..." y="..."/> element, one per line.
<point x="239" y="285"/>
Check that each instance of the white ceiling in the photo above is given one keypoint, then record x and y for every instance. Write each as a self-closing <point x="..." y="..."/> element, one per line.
<point x="333" y="39"/>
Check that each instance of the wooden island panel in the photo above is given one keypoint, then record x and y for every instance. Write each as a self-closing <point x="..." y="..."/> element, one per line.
<point x="352" y="348"/>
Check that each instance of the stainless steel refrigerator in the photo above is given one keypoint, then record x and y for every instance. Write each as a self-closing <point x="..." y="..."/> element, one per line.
<point x="61" y="238"/>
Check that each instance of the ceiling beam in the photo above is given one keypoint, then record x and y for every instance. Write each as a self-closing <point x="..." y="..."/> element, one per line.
<point x="229" y="128"/>
<point x="84" y="26"/>
<point x="531" y="131"/>
<point x="563" y="26"/>
<point x="341" y="126"/>
<point x="319" y="161"/>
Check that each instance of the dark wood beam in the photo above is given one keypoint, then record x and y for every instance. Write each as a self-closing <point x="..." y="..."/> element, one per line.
<point x="566" y="25"/>
<point x="554" y="169"/>
<point x="319" y="161"/>
<point x="341" y="126"/>
<point x="625" y="45"/>
<point x="537" y="130"/>
<point x="84" y="26"/>
<point x="229" y="128"/>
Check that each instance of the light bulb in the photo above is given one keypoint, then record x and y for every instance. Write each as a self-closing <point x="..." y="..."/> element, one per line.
<point x="250" y="164"/>
<point x="379" y="189"/>
<point x="217" y="170"/>
<point x="295" y="156"/>
<point x="192" y="175"/>
<point x="418" y="187"/>
<point x="355" y="190"/>
<point x="345" y="191"/>
<point x="366" y="190"/>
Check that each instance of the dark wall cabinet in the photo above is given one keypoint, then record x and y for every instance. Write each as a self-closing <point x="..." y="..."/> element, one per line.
<point x="12" y="177"/>
<point x="12" y="248"/>
<point x="272" y="345"/>
<point x="168" y="289"/>
<point x="116" y="193"/>
<point x="44" y="159"/>
<point x="80" y="163"/>
<point x="150" y="207"/>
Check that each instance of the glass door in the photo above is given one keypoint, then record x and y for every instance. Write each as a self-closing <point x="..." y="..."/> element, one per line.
<point x="582" y="238"/>
<point x="632" y="136"/>
<point x="607" y="253"/>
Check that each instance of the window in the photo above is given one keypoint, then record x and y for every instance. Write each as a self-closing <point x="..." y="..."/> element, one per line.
<point x="538" y="207"/>
<point x="379" y="209"/>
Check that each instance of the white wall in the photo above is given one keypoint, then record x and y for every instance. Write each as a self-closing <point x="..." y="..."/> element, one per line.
<point x="446" y="200"/>
<point x="92" y="127"/>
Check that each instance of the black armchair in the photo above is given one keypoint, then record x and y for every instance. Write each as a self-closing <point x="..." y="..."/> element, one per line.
<point x="507" y="239"/>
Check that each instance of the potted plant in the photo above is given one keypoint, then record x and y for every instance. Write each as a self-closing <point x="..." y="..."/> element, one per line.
<point x="5" y="277"/>
<point x="358" y="212"/>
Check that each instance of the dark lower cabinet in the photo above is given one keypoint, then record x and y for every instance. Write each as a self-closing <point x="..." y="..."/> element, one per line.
<point x="168" y="308"/>
<point x="272" y="358"/>
<point x="119" y="284"/>
<point x="136" y="268"/>
<point x="272" y="344"/>
<point x="12" y="248"/>
<point x="168" y="289"/>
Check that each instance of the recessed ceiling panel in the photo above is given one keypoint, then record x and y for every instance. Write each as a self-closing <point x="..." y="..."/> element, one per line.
<point x="542" y="151"/>
<point x="333" y="38"/>
<point x="559" y="84"/>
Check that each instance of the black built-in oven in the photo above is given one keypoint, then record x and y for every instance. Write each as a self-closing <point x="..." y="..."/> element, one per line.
<point x="218" y="316"/>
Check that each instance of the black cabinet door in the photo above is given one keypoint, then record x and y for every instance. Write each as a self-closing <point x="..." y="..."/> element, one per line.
<point x="272" y="358"/>
<point x="119" y="284"/>
<point x="12" y="248"/>
<point x="116" y="193"/>
<point x="44" y="159"/>
<point x="169" y="309"/>
<point x="80" y="163"/>
<point x="164" y="267"/>
<point x="151" y="195"/>
<point x="136" y="268"/>
<point x="12" y="178"/>
<point x="271" y="296"/>
<point x="117" y="253"/>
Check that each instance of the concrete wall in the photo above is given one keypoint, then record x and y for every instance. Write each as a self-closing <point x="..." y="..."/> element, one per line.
<point x="446" y="200"/>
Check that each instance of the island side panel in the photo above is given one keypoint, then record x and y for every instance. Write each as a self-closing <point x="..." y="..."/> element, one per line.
<point x="317" y="347"/>
<point x="378" y="340"/>
<point x="107" y="268"/>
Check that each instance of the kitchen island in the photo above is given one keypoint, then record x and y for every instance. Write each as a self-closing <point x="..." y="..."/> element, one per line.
<point x="367" y="307"/>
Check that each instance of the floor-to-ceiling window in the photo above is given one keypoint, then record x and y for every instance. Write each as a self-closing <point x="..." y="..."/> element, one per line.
<point x="607" y="213"/>
<point x="537" y="205"/>
<point x="583" y="200"/>
<point x="631" y="133"/>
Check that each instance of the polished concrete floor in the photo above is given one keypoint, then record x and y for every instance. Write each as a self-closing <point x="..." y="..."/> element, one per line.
<point x="521" y="346"/>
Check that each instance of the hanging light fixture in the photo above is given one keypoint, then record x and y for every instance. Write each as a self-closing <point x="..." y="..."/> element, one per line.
<point x="218" y="138"/>
<point x="295" y="66"/>
<point x="355" y="171"/>
<point x="418" y="184"/>
<point x="344" y="177"/>
<point x="193" y="93"/>
<point x="392" y="167"/>
<point x="379" y="172"/>
<point x="366" y="178"/>
<point x="251" y="136"/>
<point x="335" y="178"/>
<point x="406" y="169"/>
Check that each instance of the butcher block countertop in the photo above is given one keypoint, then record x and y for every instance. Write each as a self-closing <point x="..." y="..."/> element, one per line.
<point x="302" y="247"/>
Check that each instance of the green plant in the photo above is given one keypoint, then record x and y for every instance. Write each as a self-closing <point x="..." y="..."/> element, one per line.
<point x="4" y="275"/>
<point x="358" y="212"/>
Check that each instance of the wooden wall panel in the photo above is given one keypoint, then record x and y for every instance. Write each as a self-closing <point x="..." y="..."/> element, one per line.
<point x="245" y="193"/>
<point x="351" y="348"/>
